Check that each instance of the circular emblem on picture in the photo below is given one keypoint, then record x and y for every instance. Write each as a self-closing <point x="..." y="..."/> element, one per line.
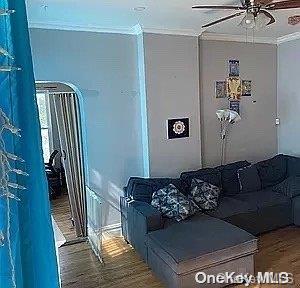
<point x="178" y="127"/>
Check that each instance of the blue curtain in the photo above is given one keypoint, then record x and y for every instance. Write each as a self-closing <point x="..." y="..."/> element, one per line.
<point x="32" y="241"/>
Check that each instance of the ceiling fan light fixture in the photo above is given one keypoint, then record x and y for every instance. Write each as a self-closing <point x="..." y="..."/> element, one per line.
<point x="248" y="21"/>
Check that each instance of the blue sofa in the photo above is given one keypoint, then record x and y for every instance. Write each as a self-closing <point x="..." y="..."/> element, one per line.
<point x="255" y="199"/>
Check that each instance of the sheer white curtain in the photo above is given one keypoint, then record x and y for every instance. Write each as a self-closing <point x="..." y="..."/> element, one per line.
<point x="69" y="130"/>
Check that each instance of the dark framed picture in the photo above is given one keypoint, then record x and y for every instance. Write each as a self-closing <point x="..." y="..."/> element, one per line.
<point x="178" y="128"/>
<point x="221" y="89"/>
<point x="235" y="106"/>
<point x="246" y="88"/>
<point x="234" y="68"/>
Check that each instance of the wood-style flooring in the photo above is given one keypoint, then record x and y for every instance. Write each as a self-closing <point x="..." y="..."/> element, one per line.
<point x="60" y="209"/>
<point x="279" y="252"/>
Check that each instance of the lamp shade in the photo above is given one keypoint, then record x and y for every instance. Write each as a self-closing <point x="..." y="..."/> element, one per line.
<point x="234" y="117"/>
<point x="248" y="21"/>
<point x="220" y="114"/>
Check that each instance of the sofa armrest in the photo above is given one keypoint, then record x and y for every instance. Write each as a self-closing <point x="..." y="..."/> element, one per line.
<point x="138" y="219"/>
<point x="148" y="215"/>
<point x="290" y="187"/>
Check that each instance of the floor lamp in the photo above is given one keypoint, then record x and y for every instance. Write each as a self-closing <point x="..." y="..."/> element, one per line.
<point x="226" y="117"/>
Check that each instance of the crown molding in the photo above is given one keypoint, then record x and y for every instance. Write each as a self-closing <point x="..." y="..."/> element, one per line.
<point x="135" y="30"/>
<point x="236" y="38"/>
<point x="183" y="32"/>
<point x="289" y="37"/>
<point x="138" y="29"/>
<point x="85" y="28"/>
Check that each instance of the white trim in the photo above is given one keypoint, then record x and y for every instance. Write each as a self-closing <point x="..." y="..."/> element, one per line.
<point x="236" y="38"/>
<point x="289" y="37"/>
<point x="135" y="30"/>
<point x="111" y="231"/>
<point x="183" y="32"/>
<point x="138" y="29"/>
<point x="85" y="28"/>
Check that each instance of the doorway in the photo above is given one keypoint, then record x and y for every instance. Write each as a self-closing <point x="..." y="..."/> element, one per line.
<point x="62" y="143"/>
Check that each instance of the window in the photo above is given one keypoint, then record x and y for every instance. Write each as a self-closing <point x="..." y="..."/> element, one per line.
<point x="43" y="106"/>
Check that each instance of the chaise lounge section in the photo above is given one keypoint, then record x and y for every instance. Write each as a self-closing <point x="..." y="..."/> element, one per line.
<point x="255" y="199"/>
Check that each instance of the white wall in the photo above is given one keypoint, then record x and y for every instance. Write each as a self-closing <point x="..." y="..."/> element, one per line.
<point x="172" y="87"/>
<point x="104" y="68"/>
<point x="255" y="137"/>
<point x="289" y="97"/>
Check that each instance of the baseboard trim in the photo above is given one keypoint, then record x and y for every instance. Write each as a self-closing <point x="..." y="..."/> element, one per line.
<point x="113" y="230"/>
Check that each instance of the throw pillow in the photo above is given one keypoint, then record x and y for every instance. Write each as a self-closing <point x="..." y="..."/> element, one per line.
<point x="293" y="166"/>
<point x="204" y="194"/>
<point x="173" y="204"/>
<point x="249" y="179"/>
<point x="230" y="182"/>
<point x="272" y="171"/>
<point x="210" y="175"/>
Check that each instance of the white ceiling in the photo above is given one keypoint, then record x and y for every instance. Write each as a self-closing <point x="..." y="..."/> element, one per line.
<point x="172" y="15"/>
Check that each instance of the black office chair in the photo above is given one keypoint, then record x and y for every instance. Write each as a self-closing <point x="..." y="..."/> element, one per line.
<point x="54" y="176"/>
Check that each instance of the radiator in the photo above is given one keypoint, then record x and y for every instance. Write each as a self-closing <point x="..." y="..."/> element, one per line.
<point x="94" y="219"/>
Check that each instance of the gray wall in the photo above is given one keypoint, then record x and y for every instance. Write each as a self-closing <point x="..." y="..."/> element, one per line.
<point x="255" y="137"/>
<point x="104" y="68"/>
<point x="172" y="85"/>
<point x="289" y="97"/>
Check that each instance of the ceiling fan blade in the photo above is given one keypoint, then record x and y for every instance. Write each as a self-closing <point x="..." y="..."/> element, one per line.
<point x="220" y="7"/>
<point x="272" y="19"/>
<point x="263" y="2"/>
<point x="288" y="4"/>
<point x="223" y="19"/>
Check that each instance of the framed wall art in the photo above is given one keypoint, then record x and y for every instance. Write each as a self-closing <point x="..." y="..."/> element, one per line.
<point x="234" y="88"/>
<point x="220" y="89"/>
<point x="234" y="68"/>
<point x="178" y="128"/>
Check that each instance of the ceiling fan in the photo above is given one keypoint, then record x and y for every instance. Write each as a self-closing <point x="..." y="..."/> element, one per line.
<point x="256" y="12"/>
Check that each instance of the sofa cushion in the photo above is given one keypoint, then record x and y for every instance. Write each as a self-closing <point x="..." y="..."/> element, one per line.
<point x="210" y="175"/>
<point x="229" y="206"/>
<point x="199" y="242"/>
<point x="204" y="194"/>
<point x="229" y="177"/>
<point x="263" y="198"/>
<point x="173" y="204"/>
<point x="249" y="179"/>
<point x="290" y="187"/>
<point x="141" y="189"/>
<point x="293" y="166"/>
<point x="272" y="171"/>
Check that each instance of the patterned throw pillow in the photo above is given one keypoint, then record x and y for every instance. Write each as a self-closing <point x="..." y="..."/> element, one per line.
<point x="173" y="204"/>
<point x="204" y="194"/>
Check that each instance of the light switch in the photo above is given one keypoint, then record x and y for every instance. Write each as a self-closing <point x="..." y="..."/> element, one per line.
<point x="277" y="121"/>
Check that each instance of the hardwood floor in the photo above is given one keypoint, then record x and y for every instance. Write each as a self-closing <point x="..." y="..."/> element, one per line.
<point x="279" y="252"/>
<point x="60" y="209"/>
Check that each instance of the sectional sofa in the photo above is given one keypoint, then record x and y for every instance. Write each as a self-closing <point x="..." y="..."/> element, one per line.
<point x="254" y="199"/>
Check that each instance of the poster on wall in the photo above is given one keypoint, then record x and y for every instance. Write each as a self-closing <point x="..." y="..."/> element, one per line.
<point x="235" y="106"/>
<point x="246" y="88"/>
<point x="234" y="88"/>
<point x="178" y="128"/>
<point x="234" y="68"/>
<point x="221" y="89"/>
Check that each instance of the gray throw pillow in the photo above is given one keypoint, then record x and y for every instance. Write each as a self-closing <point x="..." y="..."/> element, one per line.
<point x="173" y="204"/>
<point x="293" y="166"/>
<point x="204" y="194"/>
<point x="249" y="179"/>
